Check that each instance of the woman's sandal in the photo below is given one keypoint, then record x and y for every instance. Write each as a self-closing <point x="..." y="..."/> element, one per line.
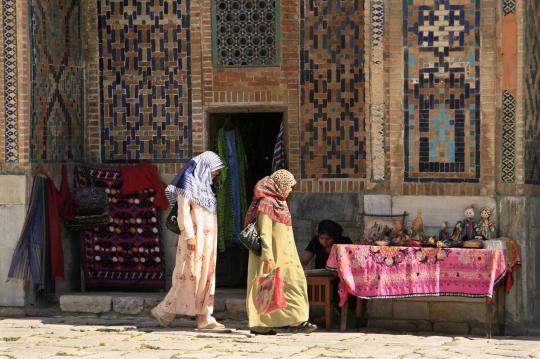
<point x="270" y="332"/>
<point x="305" y="327"/>
<point x="158" y="318"/>
<point x="211" y="326"/>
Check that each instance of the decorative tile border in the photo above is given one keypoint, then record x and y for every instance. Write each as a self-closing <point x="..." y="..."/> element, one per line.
<point x="509" y="7"/>
<point x="9" y="10"/>
<point x="376" y="86"/>
<point x="508" y="158"/>
<point x="509" y="90"/>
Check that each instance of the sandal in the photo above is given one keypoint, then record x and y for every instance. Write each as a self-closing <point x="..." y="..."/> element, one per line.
<point x="305" y="327"/>
<point x="211" y="325"/>
<point x="158" y="318"/>
<point x="270" y="332"/>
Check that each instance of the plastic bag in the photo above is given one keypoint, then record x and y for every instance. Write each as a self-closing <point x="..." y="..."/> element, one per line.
<point x="270" y="295"/>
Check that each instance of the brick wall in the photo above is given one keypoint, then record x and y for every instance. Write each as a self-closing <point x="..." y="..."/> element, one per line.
<point x="381" y="163"/>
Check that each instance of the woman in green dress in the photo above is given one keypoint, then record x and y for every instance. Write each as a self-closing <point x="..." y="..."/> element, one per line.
<point x="269" y="208"/>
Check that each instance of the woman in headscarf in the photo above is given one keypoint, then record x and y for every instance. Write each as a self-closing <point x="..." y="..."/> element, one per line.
<point x="269" y="208"/>
<point x="193" y="280"/>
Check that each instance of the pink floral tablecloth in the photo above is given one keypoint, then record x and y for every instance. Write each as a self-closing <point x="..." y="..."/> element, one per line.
<point x="400" y="272"/>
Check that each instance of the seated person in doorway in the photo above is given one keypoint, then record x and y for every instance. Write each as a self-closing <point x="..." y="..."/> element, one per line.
<point x="328" y="234"/>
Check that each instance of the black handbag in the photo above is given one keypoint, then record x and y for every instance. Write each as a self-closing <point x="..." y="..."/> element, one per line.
<point x="251" y="239"/>
<point x="172" y="220"/>
<point x="91" y="200"/>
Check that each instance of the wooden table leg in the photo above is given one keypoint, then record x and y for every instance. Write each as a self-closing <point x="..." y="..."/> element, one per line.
<point x="329" y="309"/>
<point x="489" y="316"/>
<point x="361" y="305"/>
<point x="501" y="304"/>
<point x="344" y="315"/>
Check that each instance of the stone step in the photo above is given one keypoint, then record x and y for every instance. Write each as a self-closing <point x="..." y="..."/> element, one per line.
<point x="228" y="303"/>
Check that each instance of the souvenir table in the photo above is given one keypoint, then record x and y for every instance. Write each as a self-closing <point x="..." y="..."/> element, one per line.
<point x="369" y="272"/>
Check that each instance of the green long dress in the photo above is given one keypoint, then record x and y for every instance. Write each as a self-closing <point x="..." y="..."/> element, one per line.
<point x="277" y="242"/>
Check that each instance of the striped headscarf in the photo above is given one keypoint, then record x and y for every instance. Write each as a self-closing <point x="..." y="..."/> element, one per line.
<point x="269" y="198"/>
<point x="194" y="182"/>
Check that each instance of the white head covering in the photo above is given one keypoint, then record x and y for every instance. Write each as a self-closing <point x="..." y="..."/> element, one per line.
<point x="194" y="182"/>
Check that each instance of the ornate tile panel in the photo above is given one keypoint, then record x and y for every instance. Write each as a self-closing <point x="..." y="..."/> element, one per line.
<point x="145" y="80"/>
<point x="442" y="84"/>
<point x="509" y="90"/>
<point x="508" y="6"/>
<point x="377" y="108"/>
<point x="332" y="120"/>
<point x="532" y="92"/>
<point x="9" y="25"/>
<point x="245" y="32"/>
<point x="508" y="158"/>
<point x="57" y="123"/>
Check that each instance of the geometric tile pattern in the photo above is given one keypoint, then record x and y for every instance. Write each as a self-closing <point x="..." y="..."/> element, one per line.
<point x="245" y="32"/>
<point x="508" y="7"/>
<point x="377" y="108"/>
<point x="532" y="92"/>
<point x="508" y="157"/>
<point x="332" y="114"/>
<point x="442" y="90"/>
<point x="57" y="116"/>
<point x="9" y="26"/>
<point x="145" y="80"/>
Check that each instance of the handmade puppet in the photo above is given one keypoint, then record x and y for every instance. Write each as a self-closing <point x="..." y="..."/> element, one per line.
<point x="485" y="227"/>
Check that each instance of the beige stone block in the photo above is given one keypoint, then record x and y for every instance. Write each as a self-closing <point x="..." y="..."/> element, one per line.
<point x="12" y="189"/>
<point x="458" y="312"/>
<point x="12" y="292"/>
<point x="86" y="303"/>
<point x="379" y="308"/>
<point x="128" y="305"/>
<point x="411" y="310"/>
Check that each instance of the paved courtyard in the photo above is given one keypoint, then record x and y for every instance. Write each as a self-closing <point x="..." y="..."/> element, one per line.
<point x="97" y="338"/>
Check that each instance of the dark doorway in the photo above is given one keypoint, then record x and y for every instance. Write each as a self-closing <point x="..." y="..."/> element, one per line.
<point x="258" y="132"/>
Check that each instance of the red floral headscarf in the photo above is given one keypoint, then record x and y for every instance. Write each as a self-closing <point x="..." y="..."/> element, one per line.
<point x="268" y="198"/>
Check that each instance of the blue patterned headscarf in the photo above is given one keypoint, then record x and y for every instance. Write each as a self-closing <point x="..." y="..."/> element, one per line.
<point x="194" y="181"/>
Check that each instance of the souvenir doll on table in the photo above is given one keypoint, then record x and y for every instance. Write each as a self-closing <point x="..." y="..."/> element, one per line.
<point x="464" y="230"/>
<point x="485" y="227"/>
<point x="401" y="236"/>
<point x="418" y="236"/>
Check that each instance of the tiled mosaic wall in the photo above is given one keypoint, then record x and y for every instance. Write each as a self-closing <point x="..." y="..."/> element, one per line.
<point x="9" y="79"/>
<point x="332" y="120"/>
<point x="442" y="83"/>
<point x="145" y="74"/>
<point x="532" y="92"/>
<point x="57" y="82"/>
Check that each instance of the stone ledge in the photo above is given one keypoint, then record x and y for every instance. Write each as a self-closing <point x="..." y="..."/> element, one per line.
<point x="86" y="304"/>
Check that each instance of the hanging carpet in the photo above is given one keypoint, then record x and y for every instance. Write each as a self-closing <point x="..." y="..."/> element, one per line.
<point x="127" y="252"/>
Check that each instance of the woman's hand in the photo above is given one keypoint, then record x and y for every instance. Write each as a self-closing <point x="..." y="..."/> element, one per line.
<point x="268" y="265"/>
<point x="191" y="244"/>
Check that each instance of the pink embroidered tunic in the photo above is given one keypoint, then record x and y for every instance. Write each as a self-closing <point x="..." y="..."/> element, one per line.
<point x="193" y="281"/>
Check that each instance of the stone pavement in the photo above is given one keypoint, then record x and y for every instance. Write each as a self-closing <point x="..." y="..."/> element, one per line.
<point x="92" y="337"/>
